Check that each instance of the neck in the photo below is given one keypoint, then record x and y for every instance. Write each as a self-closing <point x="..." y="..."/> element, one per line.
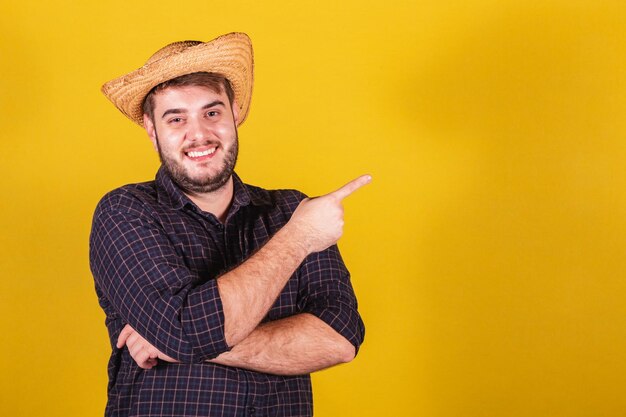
<point x="215" y="202"/>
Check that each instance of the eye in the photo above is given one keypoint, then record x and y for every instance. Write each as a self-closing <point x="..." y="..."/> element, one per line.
<point x="212" y="113"/>
<point x="175" y="120"/>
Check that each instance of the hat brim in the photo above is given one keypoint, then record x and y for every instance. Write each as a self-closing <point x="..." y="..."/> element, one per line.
<point x="229" y="55"/>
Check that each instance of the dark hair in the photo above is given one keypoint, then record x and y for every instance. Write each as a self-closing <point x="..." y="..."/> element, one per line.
<point x="214" y="81"/>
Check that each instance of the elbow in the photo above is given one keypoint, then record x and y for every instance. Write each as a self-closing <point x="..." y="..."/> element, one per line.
<point x="345" y="351"/>
<point x="348" y="355"/>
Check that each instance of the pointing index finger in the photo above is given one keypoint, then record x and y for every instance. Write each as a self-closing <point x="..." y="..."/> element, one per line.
<point x="352" y="186"/>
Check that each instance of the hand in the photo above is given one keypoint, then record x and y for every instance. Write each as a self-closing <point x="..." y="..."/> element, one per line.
<point x="140" y="349"/>
<point x="318" y="222"/>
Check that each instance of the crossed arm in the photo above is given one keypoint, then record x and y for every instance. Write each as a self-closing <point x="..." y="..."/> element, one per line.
<point x="294" y="345"/>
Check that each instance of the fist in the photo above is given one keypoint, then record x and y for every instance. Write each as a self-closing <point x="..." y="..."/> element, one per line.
<point x="145" y="355"/>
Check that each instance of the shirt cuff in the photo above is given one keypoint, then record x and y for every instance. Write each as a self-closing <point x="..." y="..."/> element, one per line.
<point x="343" y="318"/>
<point x="203" y="319"/>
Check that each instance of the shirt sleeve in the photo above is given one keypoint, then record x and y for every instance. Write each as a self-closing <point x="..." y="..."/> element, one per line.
<point x="326" y="292"/>
<point x="137" y="269"/>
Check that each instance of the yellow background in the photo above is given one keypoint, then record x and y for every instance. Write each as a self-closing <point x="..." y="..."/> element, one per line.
<point x="488" y="253"/>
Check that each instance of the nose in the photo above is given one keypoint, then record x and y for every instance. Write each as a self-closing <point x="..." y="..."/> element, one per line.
<point x="197" y="130"/>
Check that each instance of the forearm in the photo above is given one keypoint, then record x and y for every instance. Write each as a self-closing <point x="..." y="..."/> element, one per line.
<point x="292" y="346"/>
<point x="248" y="291"/>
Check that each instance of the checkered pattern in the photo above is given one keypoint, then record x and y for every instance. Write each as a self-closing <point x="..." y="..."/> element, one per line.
<point x="155" y="256"/>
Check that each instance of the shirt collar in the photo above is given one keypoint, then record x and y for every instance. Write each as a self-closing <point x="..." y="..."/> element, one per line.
<point x="168" y="193"/>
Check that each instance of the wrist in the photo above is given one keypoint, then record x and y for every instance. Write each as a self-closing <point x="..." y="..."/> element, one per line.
<point x="296" y="238"/>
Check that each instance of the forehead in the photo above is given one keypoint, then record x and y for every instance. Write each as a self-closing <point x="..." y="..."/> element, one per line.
<point x="188" y="94"/>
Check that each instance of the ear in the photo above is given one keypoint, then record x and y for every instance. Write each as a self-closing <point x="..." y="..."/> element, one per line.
<point x="235" y="108"/>
<point x="150" y="129"/>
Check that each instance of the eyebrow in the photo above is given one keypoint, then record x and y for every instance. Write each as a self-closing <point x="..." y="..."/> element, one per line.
<point x="181" y="111"/>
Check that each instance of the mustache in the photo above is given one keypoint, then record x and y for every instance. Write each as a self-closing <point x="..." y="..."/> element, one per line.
<point x="204" y="143"/>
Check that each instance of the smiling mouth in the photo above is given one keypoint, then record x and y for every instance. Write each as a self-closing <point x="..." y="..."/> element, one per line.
<point x="201" y="154"/>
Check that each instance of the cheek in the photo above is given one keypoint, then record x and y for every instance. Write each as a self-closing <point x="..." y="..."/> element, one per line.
<point x="171" y="140"/>
<point x="224" y="130"/>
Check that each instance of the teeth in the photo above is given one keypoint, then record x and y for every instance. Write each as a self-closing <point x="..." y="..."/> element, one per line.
<point x="195" y="154"/>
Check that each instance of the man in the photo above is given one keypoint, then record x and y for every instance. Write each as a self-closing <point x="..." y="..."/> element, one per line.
<point x="220" y="297"/>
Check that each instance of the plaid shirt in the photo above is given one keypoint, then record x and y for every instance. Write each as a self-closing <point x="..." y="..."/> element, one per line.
<point x="155" y="256"/>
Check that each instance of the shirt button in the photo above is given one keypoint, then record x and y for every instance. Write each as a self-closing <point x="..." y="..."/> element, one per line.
<point x="251" y="410"/>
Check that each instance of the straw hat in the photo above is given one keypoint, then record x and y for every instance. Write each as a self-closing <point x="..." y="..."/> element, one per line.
<point x="229" y="55"/>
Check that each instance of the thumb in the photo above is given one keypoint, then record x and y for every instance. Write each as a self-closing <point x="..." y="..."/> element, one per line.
<point x="121" y="339"/>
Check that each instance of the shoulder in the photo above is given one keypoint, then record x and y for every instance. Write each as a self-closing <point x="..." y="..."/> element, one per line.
<point x="130" y="198"/>
<point x="284" y="200"/>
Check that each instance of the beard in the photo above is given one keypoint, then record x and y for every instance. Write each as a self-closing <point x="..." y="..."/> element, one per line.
<point x="206" y="184"/>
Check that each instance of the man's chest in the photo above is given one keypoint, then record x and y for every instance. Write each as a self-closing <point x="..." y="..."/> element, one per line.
<point x="210" y="249"/>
